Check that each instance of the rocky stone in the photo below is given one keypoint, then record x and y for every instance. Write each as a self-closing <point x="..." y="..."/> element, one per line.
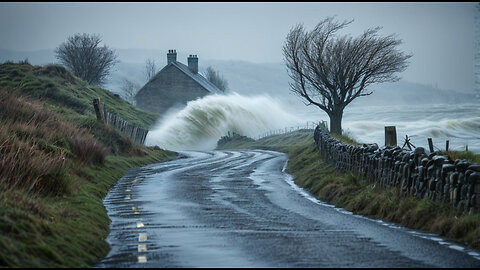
<point x="434" y="176"/>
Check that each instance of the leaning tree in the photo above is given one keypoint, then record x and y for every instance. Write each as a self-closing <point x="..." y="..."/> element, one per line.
<point x="330" y="71"/>
<point x="84" y="57"/>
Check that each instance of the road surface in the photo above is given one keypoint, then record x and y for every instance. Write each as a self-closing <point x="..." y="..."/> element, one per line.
<point x="240" y="209"/>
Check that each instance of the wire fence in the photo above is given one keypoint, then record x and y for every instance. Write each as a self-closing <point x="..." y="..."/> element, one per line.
<point x="308" y="126"/>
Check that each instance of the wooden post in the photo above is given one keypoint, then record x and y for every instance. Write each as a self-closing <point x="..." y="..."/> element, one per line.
<point x="390" y="136"/>
<point x="446" y="145"/>
<point x="145" y="136"/>
<point x="101" y="108"/>
<point x="430" y="144"/>
<point x="136" y="134"/>
<point x="104" y="110"/>
<point x="97" y="109"/>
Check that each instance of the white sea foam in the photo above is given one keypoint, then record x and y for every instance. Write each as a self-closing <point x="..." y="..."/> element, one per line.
<point x="458" y="123"/>
<point x="202" y="122"/>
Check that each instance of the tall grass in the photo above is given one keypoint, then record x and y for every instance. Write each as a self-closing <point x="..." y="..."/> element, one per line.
<point x="58" y="87"/>
<point x="466" y="155"/>
<point x="37" y="147"/>
<point x="52" y="180"/>
<point x="87" y="149"/>
<point x="23" y="166"/>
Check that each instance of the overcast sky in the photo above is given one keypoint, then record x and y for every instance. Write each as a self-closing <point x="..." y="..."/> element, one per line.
<point x="439" y="35"/>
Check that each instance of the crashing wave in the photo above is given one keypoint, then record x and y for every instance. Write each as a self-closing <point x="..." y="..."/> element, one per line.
<point x="200" y="124"/>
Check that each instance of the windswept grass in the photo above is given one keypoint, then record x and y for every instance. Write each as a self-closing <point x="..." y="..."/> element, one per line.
<point x="35" y="147"/>
<point x="87" y="149"/>
<point x="466" y="155"/>
<point x="344" y="138"/>
<point x="56" y="165"/>
<point x="66" y="94"/>
<point x="68" y="230"/>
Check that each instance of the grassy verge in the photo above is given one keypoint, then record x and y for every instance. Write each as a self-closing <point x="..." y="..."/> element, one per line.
<point x="65" y="231"/>
<point x="353" y="193"/>
<point x="57" y="164"/>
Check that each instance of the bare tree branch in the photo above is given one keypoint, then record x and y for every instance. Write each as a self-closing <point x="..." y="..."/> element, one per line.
<point x="330" y="71"/>
<point x="129" y="90"/>
<point x="216" y="79"/>
<point x="82" y="55"/>
<point x="150" y="69"/>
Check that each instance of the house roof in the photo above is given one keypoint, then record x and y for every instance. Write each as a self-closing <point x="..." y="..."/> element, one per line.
<point x="196" y="77"/>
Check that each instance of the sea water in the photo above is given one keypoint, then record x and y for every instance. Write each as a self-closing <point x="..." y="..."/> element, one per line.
<point x="201" y="123"/>
<point x="458" y="123"/>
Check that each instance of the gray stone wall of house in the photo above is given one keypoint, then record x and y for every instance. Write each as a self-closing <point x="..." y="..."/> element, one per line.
<point x="168" y="88"/>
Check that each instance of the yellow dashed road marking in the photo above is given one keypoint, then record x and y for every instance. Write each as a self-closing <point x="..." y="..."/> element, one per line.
<point x="142" y="247"/>
<point x="142" y="259"/>
<point x="142" y="237"/>
<point x="127" y="197"/>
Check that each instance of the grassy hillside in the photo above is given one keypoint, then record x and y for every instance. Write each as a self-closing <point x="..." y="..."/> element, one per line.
<point x="353" y="193"/>
<point x="56" y="165"/>
<point x="67" y="94"/>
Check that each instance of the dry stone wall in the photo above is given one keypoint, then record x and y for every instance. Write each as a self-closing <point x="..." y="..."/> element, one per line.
<point x="415" y="172"/>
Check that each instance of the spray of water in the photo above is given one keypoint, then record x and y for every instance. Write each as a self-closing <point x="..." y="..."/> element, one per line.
<point x="202" y="122"/>
<point x="458" y="123"/>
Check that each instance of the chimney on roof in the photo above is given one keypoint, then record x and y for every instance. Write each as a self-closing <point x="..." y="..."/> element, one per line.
<point x="171" y="56"/>
<point x="193" y="63"/>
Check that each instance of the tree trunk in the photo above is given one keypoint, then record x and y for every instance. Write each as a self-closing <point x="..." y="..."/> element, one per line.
<point x="336" y="122"/>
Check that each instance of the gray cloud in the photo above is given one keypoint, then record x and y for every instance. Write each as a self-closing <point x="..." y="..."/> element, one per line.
<point x="440" y="35"/>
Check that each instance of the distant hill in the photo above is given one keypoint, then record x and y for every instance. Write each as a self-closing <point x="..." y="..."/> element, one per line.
<point x="39" y="57"/>
<point x="248" y="78"/>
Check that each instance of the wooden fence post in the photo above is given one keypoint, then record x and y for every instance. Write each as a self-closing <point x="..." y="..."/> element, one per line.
<point x="97" y="107"/>
<point x="390" y="136"/>
<point x="430" y="144"/>
<point x="136" y="134"/>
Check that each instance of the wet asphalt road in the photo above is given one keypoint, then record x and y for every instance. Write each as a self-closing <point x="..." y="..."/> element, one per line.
<point x="239" y="209"/>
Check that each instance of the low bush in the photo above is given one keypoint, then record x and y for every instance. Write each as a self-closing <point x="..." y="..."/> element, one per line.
<point x="87" y="149"/>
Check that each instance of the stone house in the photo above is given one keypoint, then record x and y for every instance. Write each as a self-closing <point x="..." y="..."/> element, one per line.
<point x="175" y="84"/>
